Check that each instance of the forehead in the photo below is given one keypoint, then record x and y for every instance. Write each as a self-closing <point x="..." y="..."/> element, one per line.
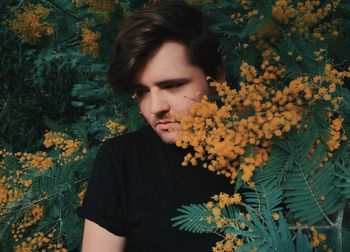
<point x="169" y="61"/>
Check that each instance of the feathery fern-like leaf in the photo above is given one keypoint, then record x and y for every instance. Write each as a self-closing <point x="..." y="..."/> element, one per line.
<point x="309" y="191"/>
<point x="344" y="179"/>
<point x="268" y="234"/>
<point x="193" y="219"/>
<point x="264" y="196"/>
<point x="255" y="23"/>
<point x="302" y="242"/>
<point x="275" y="171"/>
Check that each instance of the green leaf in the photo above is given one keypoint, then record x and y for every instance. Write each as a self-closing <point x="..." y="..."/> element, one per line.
<point x="264" y="196"/>
<point x="303" y="243"/>
<point x="194" y="220"/>
<point x="310" y="191"/>
<point x="344" y="179"/>
<point x="275" y="171"/>
<point x="265" y="234"/>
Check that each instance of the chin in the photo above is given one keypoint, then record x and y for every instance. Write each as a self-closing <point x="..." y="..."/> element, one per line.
<point x="167" y="132"/>
<point x="168" y="137"/>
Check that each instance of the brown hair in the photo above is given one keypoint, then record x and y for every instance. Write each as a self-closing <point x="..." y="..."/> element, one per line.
<point x="146" y="30"/>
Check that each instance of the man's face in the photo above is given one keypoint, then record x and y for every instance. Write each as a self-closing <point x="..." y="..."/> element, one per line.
<point x="167" y="86"/>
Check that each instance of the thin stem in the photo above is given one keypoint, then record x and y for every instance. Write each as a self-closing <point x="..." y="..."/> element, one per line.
<point x="62" y="9"/>
<point x="29" y="204"/>
<point x="338" y="226"/>
<point x="311" y="191"/>
<point x="20" y="3"/>
<point x="308" y="227"/>
<point x="5" y="227"/>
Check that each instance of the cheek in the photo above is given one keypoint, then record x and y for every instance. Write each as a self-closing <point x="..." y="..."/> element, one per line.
<point x="205" y="89"/>
<point x="185" y="99"/>
<point x="196" y="91"/>
<point x="143" y="108"/>
<point x="181" y="106"/>
<point x="202" y="86"/>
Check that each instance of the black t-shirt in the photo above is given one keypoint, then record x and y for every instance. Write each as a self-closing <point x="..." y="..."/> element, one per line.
<point x="136" y="185"/>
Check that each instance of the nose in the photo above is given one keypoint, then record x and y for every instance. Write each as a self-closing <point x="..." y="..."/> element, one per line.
<point x="158" y="104"/>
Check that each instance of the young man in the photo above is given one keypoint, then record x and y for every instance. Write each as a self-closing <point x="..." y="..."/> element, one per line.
<point x="162" y="56"/>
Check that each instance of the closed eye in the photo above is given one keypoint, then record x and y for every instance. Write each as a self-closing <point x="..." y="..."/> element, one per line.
<point x="174" y="83"/>
<point x="167" y="86"/>
<point x="138" y="91"/>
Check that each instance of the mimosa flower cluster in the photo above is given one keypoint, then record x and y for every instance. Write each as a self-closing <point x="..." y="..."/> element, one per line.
<point x="9" y="194"/>
<point x="29" y="22"/>
<point x="114" y="128"/>
<point x="228" y="244"/>
<point x="219" y="202"/>
<point x="337" y="134"/>
<point x="90" y="41"/>
<point x="39" y="160"/>
<point x="231" y="241"/>
<point x="107" y="6"/>
<point x="81" y="194"/>
<point x="317" y="238"/>
<point x="97" y="5"/>
<point x="70" y="149"/>
<point x="103" y="8"/>
<point x="31" y="216"/>
<point x="40" y="242"/>
<point x="15" y="183"/>
<point x="306" y="17"/>
<point x="235" y="138"/>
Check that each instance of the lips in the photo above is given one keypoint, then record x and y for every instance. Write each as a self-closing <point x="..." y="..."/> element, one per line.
<point x="166" y="125"/>
<point x="165" y="121"/>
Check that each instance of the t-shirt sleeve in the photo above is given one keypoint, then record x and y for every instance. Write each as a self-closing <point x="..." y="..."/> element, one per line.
<point x="103" y="202"/>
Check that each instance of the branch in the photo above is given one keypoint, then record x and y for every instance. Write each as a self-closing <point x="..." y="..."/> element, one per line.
<point x="64" y="10"/>
<point x="311" y="192"/>
<point x="30" y="203"/>
<point x="304" y="227"/>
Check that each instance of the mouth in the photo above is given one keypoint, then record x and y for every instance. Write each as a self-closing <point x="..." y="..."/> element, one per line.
<point x="166" y="126"/>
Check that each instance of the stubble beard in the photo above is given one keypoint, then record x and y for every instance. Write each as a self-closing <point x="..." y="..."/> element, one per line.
<point x="169" y="137"/>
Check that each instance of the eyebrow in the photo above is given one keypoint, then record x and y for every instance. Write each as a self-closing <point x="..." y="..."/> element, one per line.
<point x="165" y="82"/>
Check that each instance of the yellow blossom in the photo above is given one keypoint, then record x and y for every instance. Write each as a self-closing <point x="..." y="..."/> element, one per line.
<point x="115" y="128"/>
<point x="29" y="22"/>
<point x="249" y="117"/>
<point x="90" y="41"/>
<point x="275" y="216"/>
<point x="216" y="211"/>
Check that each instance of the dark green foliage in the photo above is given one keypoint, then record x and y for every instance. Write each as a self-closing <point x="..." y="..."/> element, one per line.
<point x="280" y="162"/>
<point x="266" y="234"/>
<point x="193" y="219"/>
<point x="262" y="232"/>
<point x="319" y="116"/>
<point x="303" y="244"/>
<point x="344" y="182"/>
<point x="310" y="191"/>
<point x="255" y="23"/>
<point x="52" y="85"/>
<point x="99" y="104"/>
<point x="34" y="84"/>
<point x="264" y="196"/>
<point x="299" y="46"/>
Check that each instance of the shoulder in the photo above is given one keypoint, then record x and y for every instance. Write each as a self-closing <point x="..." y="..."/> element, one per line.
<point x="116" y="152"/>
